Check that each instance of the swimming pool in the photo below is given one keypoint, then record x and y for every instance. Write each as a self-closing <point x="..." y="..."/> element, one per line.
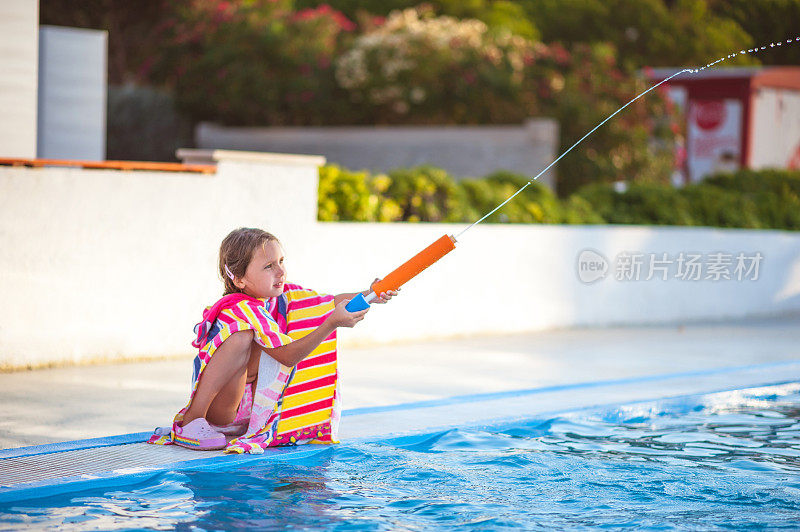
<point x="720" y="460"/>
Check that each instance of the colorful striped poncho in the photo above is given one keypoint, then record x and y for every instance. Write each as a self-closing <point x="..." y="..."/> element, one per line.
<point x="290" y="405"/>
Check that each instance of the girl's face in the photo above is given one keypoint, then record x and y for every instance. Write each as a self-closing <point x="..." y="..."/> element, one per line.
<point x="265" y="274"/>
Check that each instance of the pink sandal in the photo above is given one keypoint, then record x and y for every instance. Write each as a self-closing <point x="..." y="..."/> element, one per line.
<point x="199" y="435"/>
<point x="235" y="428"/>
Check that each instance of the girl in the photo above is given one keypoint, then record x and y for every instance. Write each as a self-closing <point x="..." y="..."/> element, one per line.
<point x="266" y="367"/>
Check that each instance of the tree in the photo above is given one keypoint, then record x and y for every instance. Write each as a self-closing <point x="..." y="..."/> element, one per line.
<point x="133" y="29"/>
<point x="766" y="21"/>
<point x="645" y="32"/>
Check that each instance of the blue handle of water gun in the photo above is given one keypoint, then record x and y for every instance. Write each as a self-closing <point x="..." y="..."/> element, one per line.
<point x="357" y="303"/>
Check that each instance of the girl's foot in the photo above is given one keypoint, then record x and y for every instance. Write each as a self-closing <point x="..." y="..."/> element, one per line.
<point x="199" y="435"/>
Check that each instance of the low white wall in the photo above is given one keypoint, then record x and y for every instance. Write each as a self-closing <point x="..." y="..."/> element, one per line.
<point x="106" y="264"/>
<point x="464" y="151"/>
<point x="109" y="264"/>
<point x="525" y="278"/>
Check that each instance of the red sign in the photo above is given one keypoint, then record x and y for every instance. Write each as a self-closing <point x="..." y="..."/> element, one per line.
<point x="709" y="115"/>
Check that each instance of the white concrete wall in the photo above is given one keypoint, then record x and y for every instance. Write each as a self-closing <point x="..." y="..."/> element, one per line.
<point x="113" y="264"/>
<point x="525" y="278"/>
<point x="464" y="151"/>
<point x="19" y="27"/>
<point x="72" y="93"/>
<point x="108" y="264"/>
<point x="776" y="128"/>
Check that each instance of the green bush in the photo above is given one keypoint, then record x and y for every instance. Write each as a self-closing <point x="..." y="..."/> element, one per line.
<point x="774" y="194"/>
<point x="344" y="196"/>
<point x="768" y="199"/>
<point x="641" y="203"/>
<point x="715" y="207"/>
<point x="426" y="194"/>
<point x="764" y="199"/>
<point x="535" y="204"/>
<point x="579" y="211"/>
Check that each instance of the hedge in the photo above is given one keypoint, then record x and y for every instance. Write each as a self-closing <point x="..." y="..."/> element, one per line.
<point x="767" y="199"/>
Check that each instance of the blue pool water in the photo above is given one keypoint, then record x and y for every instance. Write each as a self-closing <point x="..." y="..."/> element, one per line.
<point x="721" y="461"/>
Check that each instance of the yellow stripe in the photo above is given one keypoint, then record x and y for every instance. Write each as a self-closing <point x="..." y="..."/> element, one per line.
<point x="255" y="323"/>
<point x="308" y="312"/>
<point x="321" y="350"/>
<point x="310" y="396"/>
<point x="328" y="346"/>
<point x="300" y="294"/>
<point x="314" y="372"/>
<point x="305" y="420"/>
<point x="299" y="333"/>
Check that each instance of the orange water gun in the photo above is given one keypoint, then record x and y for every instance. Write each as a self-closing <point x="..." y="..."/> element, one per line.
<point x="405" y="272"/>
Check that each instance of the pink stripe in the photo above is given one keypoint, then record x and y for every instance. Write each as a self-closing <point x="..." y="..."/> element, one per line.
<point x="310" y="385"/>
<point x="310" y="302"/>
<point x="224" y="318"/>
<point x="308" y="323"/>
<point x="317" y="360"/>
<point x="239" y="313"/>
<point x="316" y="357"/>
<point x="307" y="409"/>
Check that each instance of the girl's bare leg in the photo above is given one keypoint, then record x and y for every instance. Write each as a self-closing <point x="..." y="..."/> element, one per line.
<point x="223" y="407"/>
<point x="227" y="370"/>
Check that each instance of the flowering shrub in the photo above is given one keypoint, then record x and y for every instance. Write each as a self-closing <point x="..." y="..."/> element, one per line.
<point x="419" y="68"/>
<point x="253" y="63"/>
<point x="636" y="145"/>
<point x="260" y="63"/>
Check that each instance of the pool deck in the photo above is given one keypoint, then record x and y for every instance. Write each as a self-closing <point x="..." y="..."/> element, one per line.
<point x="400" y="389"/>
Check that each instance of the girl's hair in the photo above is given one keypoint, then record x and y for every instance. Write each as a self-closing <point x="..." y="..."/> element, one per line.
<point x="236" y="251"/>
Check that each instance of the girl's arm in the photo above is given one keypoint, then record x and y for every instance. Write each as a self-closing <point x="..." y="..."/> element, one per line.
<point x="292" y="353"/>
<point x="382" y="298"/>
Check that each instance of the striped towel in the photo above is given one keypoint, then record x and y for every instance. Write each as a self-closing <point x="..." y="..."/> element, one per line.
<point x="290" y="405"/>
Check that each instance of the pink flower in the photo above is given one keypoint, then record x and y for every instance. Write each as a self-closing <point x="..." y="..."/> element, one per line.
<point x="560" y="54"/>
<point x="344" y="23"/>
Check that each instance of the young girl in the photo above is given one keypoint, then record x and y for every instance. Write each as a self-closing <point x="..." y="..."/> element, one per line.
<point x="266" y="367"/>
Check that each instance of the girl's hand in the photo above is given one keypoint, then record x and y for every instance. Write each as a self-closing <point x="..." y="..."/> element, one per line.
<point x="341" y="317"/>
<point x="383" y="297"/>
